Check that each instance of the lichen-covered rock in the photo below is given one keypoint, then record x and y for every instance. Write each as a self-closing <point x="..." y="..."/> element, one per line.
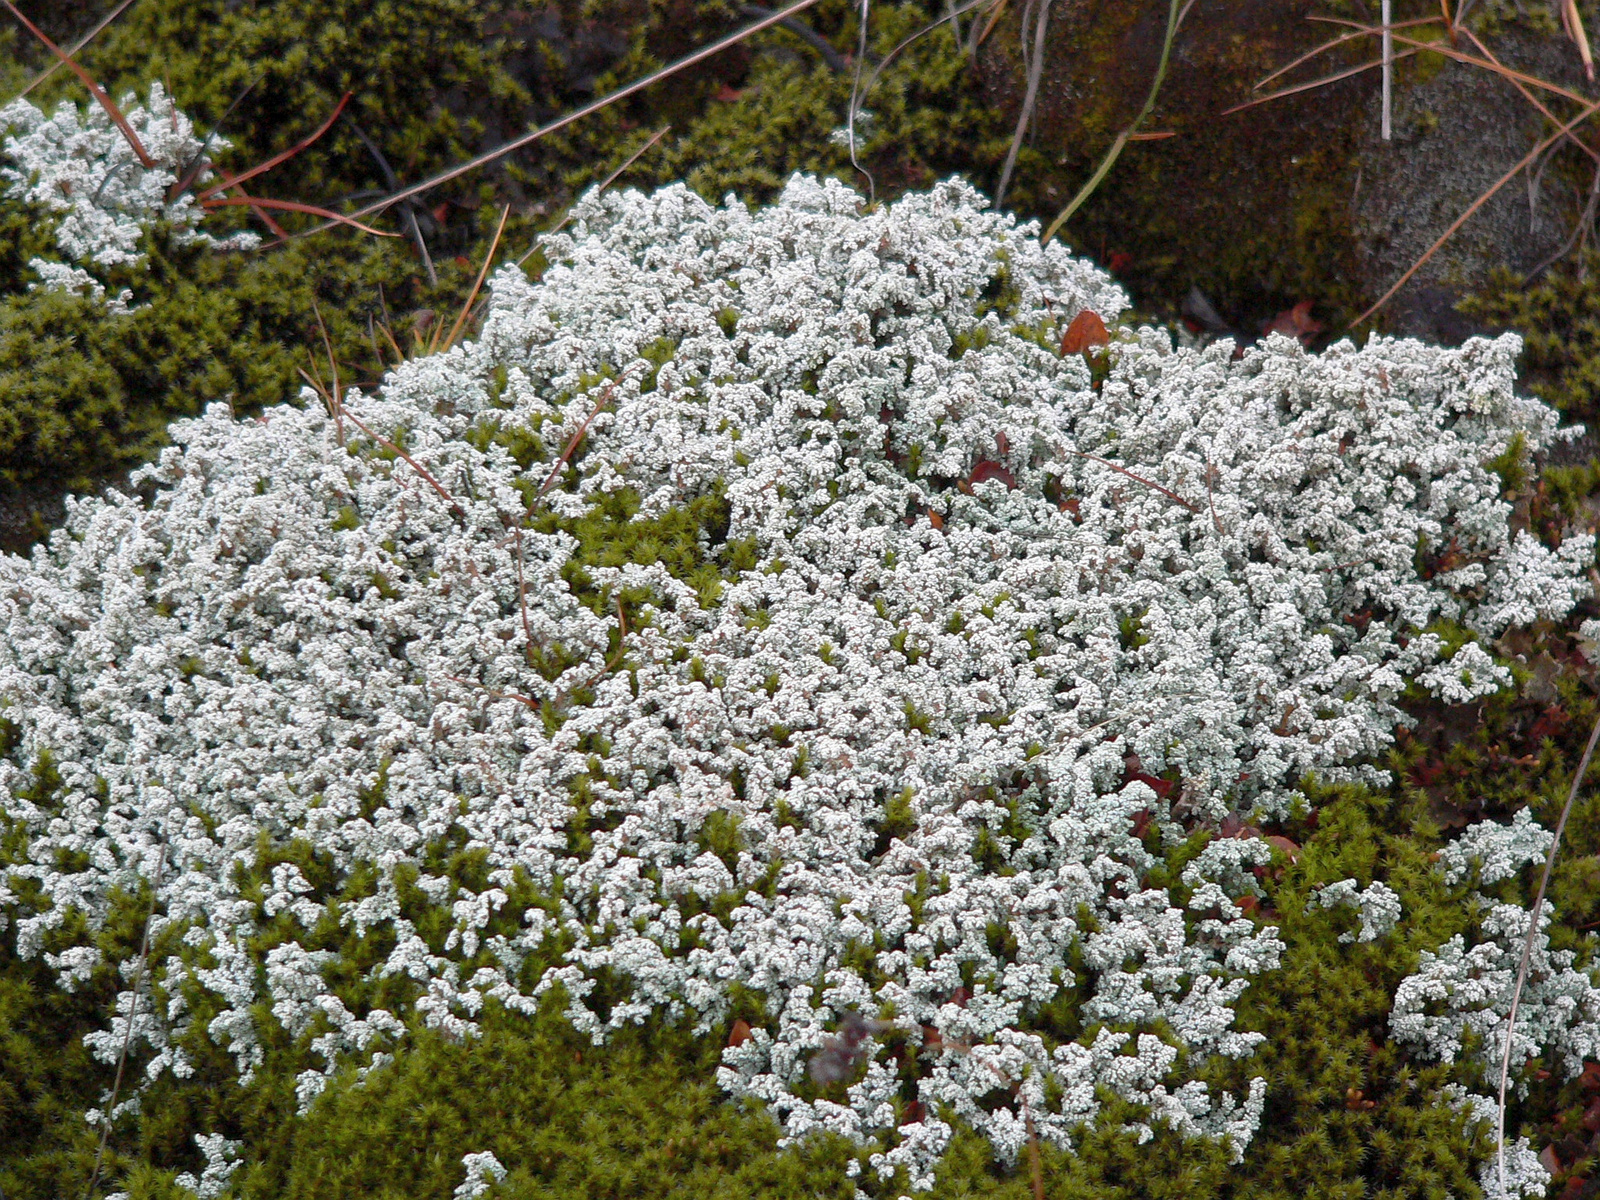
<point x="761" y="607"/>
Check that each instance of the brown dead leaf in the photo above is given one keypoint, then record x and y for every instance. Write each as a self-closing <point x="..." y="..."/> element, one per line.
<point x="740" y="1033"/>
<point x="987" y="468"/>
<point x="1087" y="330"/>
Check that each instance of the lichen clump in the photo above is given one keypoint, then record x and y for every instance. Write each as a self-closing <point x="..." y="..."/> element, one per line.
<point x="762" y="616"/>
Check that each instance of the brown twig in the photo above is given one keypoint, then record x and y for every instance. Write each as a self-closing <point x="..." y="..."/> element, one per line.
<point x="461" y="317"/>
<point x="291" y="206"/>
<point x="415" y="465"/>
<point x="498" y="695"/>
<point x="95" y="89"/>
<point x="263" y="168"/>
<point x="572" y="444"/>
<point x="1527" y="946"/>
<point x="336" y="397"/>
<point x="522" y="602"/>
<point x="1030" y="98"/>
<point x="1323" y="81"/>
<point x="610" y="98"/>
<point x="604" y="184"/>
<point x="1588" y="111"/>
<point x="1167" y="492"/>
<point x="74" y="48"/>
<point x="127" y="1039"/>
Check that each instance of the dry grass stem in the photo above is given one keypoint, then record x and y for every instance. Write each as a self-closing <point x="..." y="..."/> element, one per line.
<point x="1175" y="16"/>
<point x="1527" y="946"/>
<point x="414" y="464"/>
<point x="1030" y="98"/>
<point x="76" y="46"/>
<point x="472" y="296"/>
<point x="605" y="101"/>
<point x="127" y="1040"/>
<point x="1121" y="470"/>
<point x="95" y="89"/>
<point x="1588" y="111"/>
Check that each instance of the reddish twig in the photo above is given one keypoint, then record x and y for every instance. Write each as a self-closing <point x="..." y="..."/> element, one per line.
<point x="1167" y="492"/>
<point x="75" y="47"/>
<point x="95" y="89"/>
<point x="415" y="465"/>
<point x="263" y="168"/>
<point x="291" y="206"/>
<point x="528" y="700"/>
<point x="336" y="401"/>
<point x="572" y="444"/>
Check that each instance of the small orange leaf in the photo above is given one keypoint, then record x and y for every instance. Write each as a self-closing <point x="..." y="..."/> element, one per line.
<point x="740" y="1033"/>
<point x="1249" y="904"/>
<point x="728" y="95"/>
<point x="1086" y="330"/>
<point x="935" y="520"/>
<point x="1297" y="322"/>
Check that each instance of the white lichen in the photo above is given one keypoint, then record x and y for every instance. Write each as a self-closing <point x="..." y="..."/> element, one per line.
<point x="78" y="165"/>
<point x="886" y="769"/>
<point x="1378" y="905"/>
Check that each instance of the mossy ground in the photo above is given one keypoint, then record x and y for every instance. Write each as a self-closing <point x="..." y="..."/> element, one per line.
<point x="1252" y="208"/>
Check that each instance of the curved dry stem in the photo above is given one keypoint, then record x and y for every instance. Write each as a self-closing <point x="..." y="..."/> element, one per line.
<point x="1527" y="946"/>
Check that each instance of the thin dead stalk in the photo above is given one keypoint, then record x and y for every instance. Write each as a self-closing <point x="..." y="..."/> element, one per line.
<point x="1310" y="85"/>
<point x="572" y="443"/>
<point x="127" y="1038"/>
<point x="461" y="317"/>
<point x="87" y="80"/>
<point x="336" y="396"/>
<point x="1121" y="470"/>
<point x="1388" y="73"/>
<point x="1030" y="98"/>
<point x="604" y="184"/>
<point x="415" y="465"/>
<point x="1175" y="16"/>
<point x="605" y="101"/>
<point x="263" y="168"/>
<point x="1588" y="111"/>
<point x="1527" y="947"/>
<point x="76" y="46"/>
<point x="522" y="603"/>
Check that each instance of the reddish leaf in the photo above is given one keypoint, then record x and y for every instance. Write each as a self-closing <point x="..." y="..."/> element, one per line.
<point x="1119" y="261"/>
<point x="740" y="1033"/>
<point x="960" y="996"/>
<point x="1297" y="322"/>
<point x="1002" y="443"/>
<point x="931" y="1036"/>
<point x="1574" y="1188"/>
<point x="1284" y="844"/>
<point x="728" y="95"/>
<point x="1591" y="1116"/>
<point x="441" y="213"/>
<point x="1248" y="903"/>
<point x="1141" y="822"/>
<point x="935" y="519"/>
<point x="1086" y="330"/>
<point x="987" y="468"/>
<point x="1549" y="1160"/>
<point x="1072" y="505"/>
<point x="912" y="1115"/>
<point x="1590" y="1079"/>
